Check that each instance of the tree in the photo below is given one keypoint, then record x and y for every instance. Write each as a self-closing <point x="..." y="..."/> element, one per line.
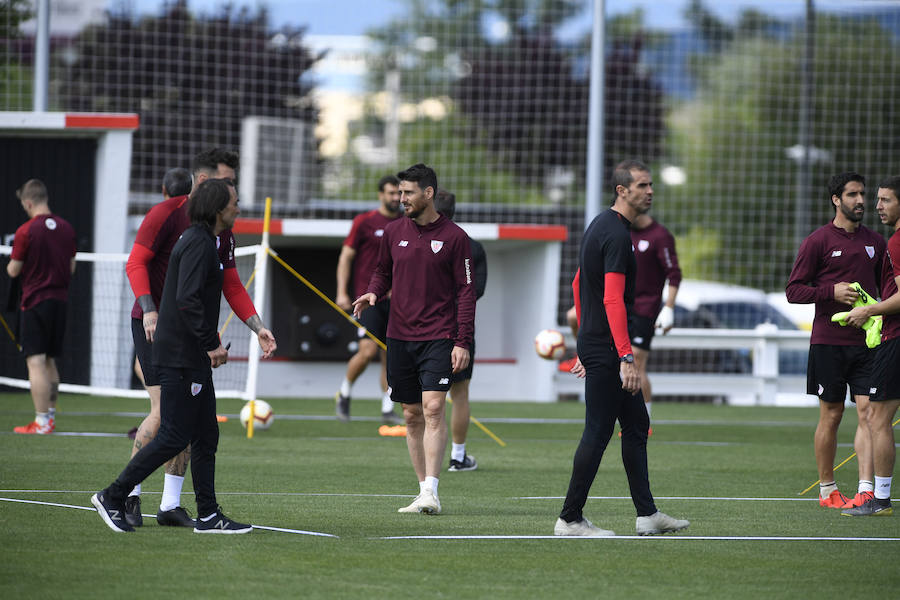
<point x="15" y="82"/>
<point x="191" y="79"/>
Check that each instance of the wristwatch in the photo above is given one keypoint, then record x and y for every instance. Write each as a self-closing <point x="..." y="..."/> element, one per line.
<point x="628" y="358"/>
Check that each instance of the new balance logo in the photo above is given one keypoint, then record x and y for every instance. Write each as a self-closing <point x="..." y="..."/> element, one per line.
<point x="443" y="381"/>
<point x="873" y="391"/>
<point x="403" y="243"/>
<point x="836" y="253"/>
<point x="114" y="515"/>
<point x="220" y="524"/>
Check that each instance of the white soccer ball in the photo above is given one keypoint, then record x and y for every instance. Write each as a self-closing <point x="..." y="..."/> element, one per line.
<point x="263" y="415"/>
<point x="550" y="344"/>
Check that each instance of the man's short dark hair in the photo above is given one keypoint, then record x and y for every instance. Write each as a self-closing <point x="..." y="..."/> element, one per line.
<point x="178" y="182"/>
<point x="838" y="182"/>
<point x="892" y="183"/>
<point x="208" y="161"/>
<point x="421" y="174"/>
<point x="445" y="203"/>
<point x="208" y="199"/>
<point x="34" y="190"/>
<point x="622" y="173"/>
<point x="387" y="180"/>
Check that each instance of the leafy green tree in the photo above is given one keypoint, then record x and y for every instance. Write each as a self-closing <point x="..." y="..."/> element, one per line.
<point x="15" y="78"/>
<point x="191" y="79"/>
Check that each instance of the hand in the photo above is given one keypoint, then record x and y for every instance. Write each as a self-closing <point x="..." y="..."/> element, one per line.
<point x="459" y="359"/>
<point x="266" y="342"/>
<point x="578" y="369"/>
<point x="858" y="316"/>
<point x="666" y="319"/>
<point x="149" y="321"/>
<point x="343" y="301"/>
<point x="631" y="381"/>
<point x="844" y="294"/>
<point x="362" y="303"/>
<point x="218" y="357"/>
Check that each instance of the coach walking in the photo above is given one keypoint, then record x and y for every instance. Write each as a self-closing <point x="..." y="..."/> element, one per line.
<point x="186" y="348"/>
<point x="612" y="385"/>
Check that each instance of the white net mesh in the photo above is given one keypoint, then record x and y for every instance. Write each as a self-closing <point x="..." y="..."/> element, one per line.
<point x="99" y="354"/>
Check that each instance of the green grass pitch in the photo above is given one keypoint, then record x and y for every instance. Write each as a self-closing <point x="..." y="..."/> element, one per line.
<point x="734" y="472"/>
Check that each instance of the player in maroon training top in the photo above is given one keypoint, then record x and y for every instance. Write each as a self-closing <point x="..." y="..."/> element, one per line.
<point x="43" y="255"/>
<point x="829" y="260"/>
<point x="657" y="262"/>
<point x="360" y="251"/>
<point x="425" y="260"/>
<point x="147" y="266"/>
<point x="885" y="392"/>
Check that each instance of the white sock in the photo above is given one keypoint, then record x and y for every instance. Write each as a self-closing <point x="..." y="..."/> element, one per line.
<point x="432" y="482"/>
<point x="882" y="488"/>
<point x="41" y="418"/>
<point x="421" y="486"/>
<point x="649" y="407"/>
<point x="865" y="486"/>
<point x="826" y="488"/>
<point x="458" y="452"/>
<point x="171" y="497"/>
<point x="52" y="413"/>
<point x="387" y="405"/>
<point x="345" y="387"/>
<point x="136" y="491"/>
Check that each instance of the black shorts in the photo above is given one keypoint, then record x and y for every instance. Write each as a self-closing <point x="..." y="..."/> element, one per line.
<point x="375" y="319"/>
<point x="416" y="367"/>
<point x="467" y="372"/>
<point x="886" y="372"/>
<point x="640" y="330"/>
<point x="144" y="352"/>
<point x="43" y="327"/>
<point x="832" y="368"/>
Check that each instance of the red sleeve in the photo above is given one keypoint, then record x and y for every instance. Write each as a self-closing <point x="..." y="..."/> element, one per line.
<point x="136" y="268"/>
<point x="614" y="302"/>
<point x="799" y="290"/>
<point x="669" y="259"/>
<point x="236" y="295"/>
<point x="380" y="282"/>
<point x="351" y="239"/>
<point x="20" y="242"/>
<point x="576" y="291"/>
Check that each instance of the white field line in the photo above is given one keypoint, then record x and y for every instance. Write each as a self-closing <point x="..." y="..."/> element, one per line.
<point x="90" y="508"/>
<point x="641" y="537"/>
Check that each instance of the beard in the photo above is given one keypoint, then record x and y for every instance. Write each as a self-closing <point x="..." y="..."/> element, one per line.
<point x="850" y="213"/>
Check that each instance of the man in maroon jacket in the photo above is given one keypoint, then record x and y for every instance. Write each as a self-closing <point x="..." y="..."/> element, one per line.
<point x="43" y="256"/>
<point x="886" y="370"/>
<point x="425" y="260"/>
<point x="829" y="260"/>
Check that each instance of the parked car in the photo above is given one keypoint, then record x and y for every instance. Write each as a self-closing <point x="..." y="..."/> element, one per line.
<point x="712" y="305"/>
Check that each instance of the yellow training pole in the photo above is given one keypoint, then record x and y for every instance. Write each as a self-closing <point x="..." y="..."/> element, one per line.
<point x="817" y="481"/>
<point x="381" y="344"/>
<point x="9" y="331"/>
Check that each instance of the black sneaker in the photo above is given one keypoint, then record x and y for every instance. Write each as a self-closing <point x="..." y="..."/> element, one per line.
<point x="133" y="511"/>
<point x="342" y="407"/>
<point x="219" y="523"/>
<point x="468" y="463"/>
<point x="873" y="507"/>
<point x="177" y="517"/>
<point x="112" y="513"/>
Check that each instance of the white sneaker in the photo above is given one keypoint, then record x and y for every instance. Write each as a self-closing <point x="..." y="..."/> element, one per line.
<point x="583" y="528"/>
<point x="429" y="503"/>
<point x="412" y="508"/>
<point x="659" y="523"/>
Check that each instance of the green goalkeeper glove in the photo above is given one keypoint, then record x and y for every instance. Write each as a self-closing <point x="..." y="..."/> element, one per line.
<point x="872" y="326"/>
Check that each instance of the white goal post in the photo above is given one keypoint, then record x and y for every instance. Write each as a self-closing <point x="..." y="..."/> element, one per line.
<point x="111" y="346"/>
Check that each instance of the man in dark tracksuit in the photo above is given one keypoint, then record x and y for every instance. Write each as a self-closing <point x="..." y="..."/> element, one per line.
<point x="612" y="387"/>
<point x="185" y="350"/>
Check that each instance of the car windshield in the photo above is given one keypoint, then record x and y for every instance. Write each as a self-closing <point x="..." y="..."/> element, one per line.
<point x="747" y="315"/>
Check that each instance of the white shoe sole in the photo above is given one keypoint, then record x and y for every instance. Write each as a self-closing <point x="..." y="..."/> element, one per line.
<point x="226" y="531"/>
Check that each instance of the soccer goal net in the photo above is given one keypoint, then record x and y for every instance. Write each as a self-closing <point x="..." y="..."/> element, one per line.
<point x="98" y="356"/>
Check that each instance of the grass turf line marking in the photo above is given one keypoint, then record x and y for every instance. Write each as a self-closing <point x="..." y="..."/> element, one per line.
<point x="747" y="499"/>
<point x="765" y="538"/>
<point x="92" y="509"/>
<point x="144" y="492"/>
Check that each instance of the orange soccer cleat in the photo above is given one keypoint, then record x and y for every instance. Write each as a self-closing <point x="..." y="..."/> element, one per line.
<point x="834" y="500"/>
<point x="859" y="499"/>
<point x="35" y="428"/>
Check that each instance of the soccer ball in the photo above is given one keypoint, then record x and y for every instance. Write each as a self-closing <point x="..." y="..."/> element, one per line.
<point x="550" y="344"/>
<point x="263" y="415"/>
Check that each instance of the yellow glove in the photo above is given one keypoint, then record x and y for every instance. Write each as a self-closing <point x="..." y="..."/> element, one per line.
<point x="872" y="326"/>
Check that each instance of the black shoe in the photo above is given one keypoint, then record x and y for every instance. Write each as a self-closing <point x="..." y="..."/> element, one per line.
<point x="466" y="464"/>
<point x="133" y="511"/>
<point x="873" y="507"/>
<point x="219" y="523"/>
<point x="177" y="517"/>
<point x="112" y="513"/>
<point x="342" y="407"/>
